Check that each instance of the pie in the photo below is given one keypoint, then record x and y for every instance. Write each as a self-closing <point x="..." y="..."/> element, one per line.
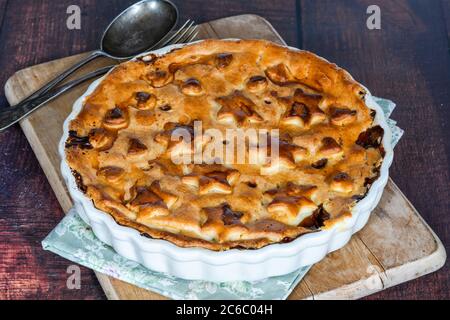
<point x="120" y="145"/>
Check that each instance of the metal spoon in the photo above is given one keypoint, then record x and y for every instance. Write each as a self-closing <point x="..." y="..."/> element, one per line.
<point x="139" y="28"/>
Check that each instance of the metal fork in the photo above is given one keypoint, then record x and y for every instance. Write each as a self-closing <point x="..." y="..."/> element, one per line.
<point x="184" y="34"/>
<point x="10" y="116"/>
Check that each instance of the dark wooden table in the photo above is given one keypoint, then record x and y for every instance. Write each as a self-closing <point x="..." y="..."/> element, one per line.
<point x="407" y="61"/>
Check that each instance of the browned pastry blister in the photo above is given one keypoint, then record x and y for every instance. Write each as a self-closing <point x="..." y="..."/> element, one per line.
<point x="120" y="145"/>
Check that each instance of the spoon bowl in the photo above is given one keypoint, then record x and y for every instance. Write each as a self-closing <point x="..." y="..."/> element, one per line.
<point x="139" y="28"/>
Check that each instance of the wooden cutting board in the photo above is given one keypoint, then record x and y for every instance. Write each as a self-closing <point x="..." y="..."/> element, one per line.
<point x="396" y="245"/>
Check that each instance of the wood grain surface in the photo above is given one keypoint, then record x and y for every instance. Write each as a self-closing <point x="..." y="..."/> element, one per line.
<point x="407" y="61"/>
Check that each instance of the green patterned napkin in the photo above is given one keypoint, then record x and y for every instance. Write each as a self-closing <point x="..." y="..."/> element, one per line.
<point x="74" y="240"/>
<point x="388" y="107"/>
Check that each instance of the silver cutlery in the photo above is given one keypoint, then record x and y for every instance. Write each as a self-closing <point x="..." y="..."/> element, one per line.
<point x="144" y="26"/>
<point x="139" y="28"/>
<point x="9" y="116"/>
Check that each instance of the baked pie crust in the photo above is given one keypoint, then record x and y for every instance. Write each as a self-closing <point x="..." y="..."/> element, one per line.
<point x="119" y="146"/>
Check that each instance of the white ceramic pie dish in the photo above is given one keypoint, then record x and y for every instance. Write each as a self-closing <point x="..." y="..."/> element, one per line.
<point x="235" y="264"/>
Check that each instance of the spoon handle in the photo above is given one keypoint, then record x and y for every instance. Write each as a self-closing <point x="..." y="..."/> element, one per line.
<point x="50" y="85"/>
<point x="10" y="116"/>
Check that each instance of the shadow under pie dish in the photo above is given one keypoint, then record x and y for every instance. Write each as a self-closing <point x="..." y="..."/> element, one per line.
<point x="226" y="222"/>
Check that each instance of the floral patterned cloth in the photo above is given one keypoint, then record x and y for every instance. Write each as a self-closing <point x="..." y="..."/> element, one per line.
<point x="74" y="240"/>
<point x="388" y="107"/>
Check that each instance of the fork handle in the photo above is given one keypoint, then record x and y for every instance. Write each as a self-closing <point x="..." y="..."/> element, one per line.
<point x="50" y="85"/>
<point x="10" y="116"/>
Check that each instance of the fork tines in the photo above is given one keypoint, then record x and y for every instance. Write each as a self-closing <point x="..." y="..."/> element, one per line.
<point x="187" y="33"/>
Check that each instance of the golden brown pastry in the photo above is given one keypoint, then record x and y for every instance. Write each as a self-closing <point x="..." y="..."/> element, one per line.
<point x="120" y="150"/>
